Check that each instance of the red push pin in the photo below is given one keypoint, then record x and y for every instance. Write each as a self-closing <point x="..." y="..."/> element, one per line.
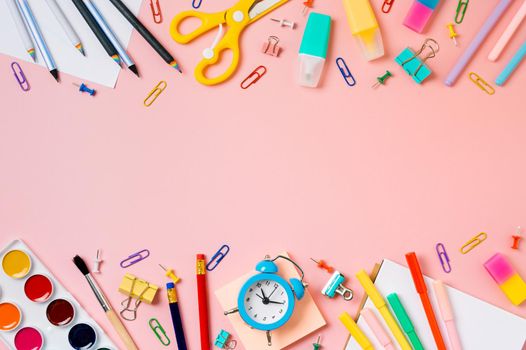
<point x="323" y="265"/>
<point x="516" y="238"/>
<point x="308" y="4"/>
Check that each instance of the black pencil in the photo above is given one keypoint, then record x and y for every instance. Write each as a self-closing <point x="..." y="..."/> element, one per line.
<point x="97" y="30"/>
<point x="145" y="33"/>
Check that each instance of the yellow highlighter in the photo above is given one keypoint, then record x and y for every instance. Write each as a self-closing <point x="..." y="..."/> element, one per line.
<point x="381" y="305"/>
<point x="355" y="331"/>
<point x="364" y="27"/>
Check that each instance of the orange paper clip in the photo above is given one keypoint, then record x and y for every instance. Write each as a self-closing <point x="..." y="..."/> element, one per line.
<point x="156" y="11"/>
<point x="253" y="77"/>
<point x="386" y="7"/>
<point x="157" y="90"/>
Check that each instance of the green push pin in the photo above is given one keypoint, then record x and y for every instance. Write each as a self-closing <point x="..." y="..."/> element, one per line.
<point x="381" y="80"/>
<point x="317" y="345"/>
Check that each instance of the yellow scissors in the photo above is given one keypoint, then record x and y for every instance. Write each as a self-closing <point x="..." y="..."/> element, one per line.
<point x="235" y="19"/>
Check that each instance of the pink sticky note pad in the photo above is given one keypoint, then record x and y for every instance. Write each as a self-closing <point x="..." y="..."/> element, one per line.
<point x="306" y="317"/>
<point x="418" y="16"/>
<point x="499" y="268"/>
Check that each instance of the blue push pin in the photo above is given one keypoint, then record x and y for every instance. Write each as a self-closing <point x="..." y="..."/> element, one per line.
<point x="335" y="285"/>
<point x="84" y="88"/>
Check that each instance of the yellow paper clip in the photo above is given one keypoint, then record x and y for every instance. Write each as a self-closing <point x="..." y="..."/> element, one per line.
<point x="138" y="290"/>
<point x="472" y="243"/>
<point x="157" y="90"/>
<point x="481" y="83"/>
<point x="159" y="331"/>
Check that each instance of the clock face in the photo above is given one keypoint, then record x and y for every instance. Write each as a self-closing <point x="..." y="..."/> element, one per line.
<point x="267" y="302"/>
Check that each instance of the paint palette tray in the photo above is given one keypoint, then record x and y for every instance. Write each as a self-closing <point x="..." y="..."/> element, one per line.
<point x="37" y="312"/>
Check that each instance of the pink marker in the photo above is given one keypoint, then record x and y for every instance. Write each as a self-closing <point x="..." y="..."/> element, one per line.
<point x="447" y="314"/>
<point x="377" y="328"/>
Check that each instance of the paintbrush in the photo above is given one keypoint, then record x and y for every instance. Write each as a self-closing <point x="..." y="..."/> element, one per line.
<point x="110" y="313"/>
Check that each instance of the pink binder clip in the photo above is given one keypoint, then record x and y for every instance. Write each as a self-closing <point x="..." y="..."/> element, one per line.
<point x="271" y="46"/>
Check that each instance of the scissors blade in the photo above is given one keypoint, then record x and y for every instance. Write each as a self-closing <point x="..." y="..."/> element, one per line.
<point x="260" y="7"/>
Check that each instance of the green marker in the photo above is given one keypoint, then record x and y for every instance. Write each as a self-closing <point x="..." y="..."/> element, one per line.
<point x="404" y="320"/>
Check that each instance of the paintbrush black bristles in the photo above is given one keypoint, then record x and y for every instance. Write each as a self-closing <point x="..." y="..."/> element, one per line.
<point x="79" y="262"/>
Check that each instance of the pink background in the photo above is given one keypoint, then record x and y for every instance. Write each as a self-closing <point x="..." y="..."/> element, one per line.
<point x="350" y="175"/>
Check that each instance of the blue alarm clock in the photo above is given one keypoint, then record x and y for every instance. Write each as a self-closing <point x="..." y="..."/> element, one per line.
<point x="266" y="301"/>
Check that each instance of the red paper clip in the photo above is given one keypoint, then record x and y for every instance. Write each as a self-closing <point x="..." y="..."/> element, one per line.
<point x="156" y="11"/>
<point x="253" y="77"/>
<point x="386" y="7"/>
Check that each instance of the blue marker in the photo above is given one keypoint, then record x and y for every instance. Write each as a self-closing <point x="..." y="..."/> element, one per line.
<point x="37" y="36"/>
<point x="511" y="66"/>
<point x="111" y="36"/>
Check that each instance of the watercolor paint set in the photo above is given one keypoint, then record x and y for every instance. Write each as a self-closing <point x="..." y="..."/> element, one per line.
<point x="37" y="312"/>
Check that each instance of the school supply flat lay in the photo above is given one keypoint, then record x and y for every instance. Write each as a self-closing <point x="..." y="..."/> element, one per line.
<point x="460" y="318"/>
<point x="93" y="33"/>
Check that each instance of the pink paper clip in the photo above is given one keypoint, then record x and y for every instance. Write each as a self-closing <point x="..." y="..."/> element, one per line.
<point x="386" y="7"/>
<point x="156" y="11"/>
<point x="271" y="46"/>
<point x="253" y="77"/>
<point x="20" y="76"/>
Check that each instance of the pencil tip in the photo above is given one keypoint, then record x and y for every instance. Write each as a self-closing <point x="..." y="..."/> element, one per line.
<point x="33" y="54"/>
<point x="133" y="68"/>
<point x="117" y="59"/>
<point x="81" y="49"/>
<point x="54" y="73"/>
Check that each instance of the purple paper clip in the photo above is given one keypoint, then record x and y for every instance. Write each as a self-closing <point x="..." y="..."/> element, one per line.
<point x="218" y="256"/>
<point x="135" y="258"/>
<point x="443" y="257"/>
<point x="20" y="76"/>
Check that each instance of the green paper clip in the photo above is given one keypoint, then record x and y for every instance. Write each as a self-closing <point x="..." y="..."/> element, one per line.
<point x="159" y="331"/>
<point x="414" y="64"/>
<point x="461" y="11"/>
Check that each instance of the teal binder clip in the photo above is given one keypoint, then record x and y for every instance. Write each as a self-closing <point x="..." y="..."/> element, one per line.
<point x="335" y="285"/>
<point x="223" y="340"/>
<point x="414" y="63"/>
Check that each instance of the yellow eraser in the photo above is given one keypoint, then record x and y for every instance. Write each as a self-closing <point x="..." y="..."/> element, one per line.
<point x="515" y="289"/>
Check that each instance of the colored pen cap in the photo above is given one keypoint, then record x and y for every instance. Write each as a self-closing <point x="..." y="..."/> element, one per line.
<point x="313" y="49"/>
<point x="365" y="28"/>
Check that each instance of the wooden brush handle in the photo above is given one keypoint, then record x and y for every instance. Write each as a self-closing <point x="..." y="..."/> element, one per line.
<point x="121" y="330"/>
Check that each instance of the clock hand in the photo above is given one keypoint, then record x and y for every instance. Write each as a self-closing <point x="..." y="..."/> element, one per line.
<point x="259" y="296"/>
<point x="263" y="292"/>
<point x="275" y="302"/>
<point x="272" y="292"/>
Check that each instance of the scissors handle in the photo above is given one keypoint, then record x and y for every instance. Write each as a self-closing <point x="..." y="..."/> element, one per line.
<point x="229" y="42"/>
<point x="208" y="21"/>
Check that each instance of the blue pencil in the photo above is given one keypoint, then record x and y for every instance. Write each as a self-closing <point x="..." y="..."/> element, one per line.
<point x="111" y="36"/>
<point x="512" y="65"/>
<point x="37" y="36"/>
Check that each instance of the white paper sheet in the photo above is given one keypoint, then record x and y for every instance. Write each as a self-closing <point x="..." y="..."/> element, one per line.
<point x="481" y="326"/>
<point x="97" y="66"/>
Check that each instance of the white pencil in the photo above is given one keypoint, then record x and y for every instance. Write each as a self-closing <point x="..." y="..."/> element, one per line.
<point x="21" y="28"/>
<point x="66" y="26"/>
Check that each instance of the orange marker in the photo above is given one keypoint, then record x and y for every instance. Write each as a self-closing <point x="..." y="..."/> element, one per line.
<point x="421" y="289"/>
